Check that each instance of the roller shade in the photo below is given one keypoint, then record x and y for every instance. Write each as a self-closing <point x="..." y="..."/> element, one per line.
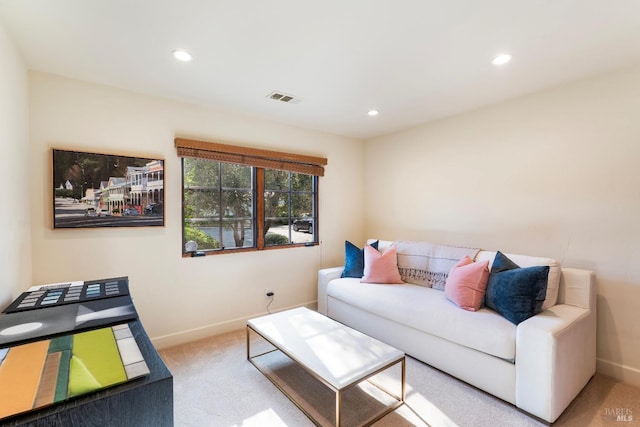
<point x="251" y="156"/>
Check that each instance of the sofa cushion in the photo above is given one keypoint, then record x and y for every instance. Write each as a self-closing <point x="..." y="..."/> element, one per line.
<point x="354" y="259"/>
<point x="467" y="283"/>
<point x="428" y="264"/>
<point x="516" y="293"/>
<point x="553" y="280"/>
<point x="380" y="267"/>
<point x="429" y="310"/>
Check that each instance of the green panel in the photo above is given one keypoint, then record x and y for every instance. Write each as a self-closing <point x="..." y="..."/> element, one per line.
<point x="63" y="346"/>
<point x="62" y="383"/>
<point x="60" y="343"/>
<point x="99" y="353"/>
<point x="81" y="380"/>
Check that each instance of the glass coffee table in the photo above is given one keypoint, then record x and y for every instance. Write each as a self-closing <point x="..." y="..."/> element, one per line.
<point x="336" y="355"/>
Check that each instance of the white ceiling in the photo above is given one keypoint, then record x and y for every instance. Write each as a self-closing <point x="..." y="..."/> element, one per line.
<point x="413" y="60"/>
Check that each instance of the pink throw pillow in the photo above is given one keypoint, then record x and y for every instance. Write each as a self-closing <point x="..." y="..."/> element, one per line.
<point x="380" y="267"/>
<point x="467" y="283"/>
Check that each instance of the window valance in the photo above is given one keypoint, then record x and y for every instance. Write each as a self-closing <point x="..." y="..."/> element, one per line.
<point x="251" y="156"/>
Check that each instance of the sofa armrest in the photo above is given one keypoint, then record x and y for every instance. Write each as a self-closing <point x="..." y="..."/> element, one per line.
<point x="326" y="275"/>
<point x="577" y="287"/>
<point x="555" y="358"/>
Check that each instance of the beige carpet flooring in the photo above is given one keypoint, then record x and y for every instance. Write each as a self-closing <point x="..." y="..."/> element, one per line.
<point x="215" y="385"/>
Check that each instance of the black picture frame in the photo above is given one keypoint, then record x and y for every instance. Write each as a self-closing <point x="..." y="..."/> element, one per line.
<point x="91" y="190"/>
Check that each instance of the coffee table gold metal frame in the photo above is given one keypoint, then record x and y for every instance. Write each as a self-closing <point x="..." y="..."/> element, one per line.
<point x="398" y="400"/>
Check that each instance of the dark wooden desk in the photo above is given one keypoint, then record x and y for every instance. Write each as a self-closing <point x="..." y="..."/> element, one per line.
<point x="146" y="401"/>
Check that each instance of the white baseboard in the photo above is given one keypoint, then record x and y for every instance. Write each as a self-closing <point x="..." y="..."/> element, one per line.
<point x="183" y="337"/>
<point x="625" y="374"/>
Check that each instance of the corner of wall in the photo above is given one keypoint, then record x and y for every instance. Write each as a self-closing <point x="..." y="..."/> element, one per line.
<point x="15" y="224"/>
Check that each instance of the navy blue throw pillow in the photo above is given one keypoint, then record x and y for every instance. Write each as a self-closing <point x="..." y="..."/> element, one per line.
<point x="514" y="292"/>
<point x="354" y="259"/>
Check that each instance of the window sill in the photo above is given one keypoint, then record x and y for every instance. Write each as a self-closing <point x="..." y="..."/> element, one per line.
<point x="199" y="254"/>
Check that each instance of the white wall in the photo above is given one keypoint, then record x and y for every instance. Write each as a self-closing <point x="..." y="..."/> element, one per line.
<point x="15" y="225"/>
<point x="552" y="174"/>
<point x="180" y="299"/>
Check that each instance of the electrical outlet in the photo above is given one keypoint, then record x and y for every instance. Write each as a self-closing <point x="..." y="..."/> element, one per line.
<point x="268" y="293"/>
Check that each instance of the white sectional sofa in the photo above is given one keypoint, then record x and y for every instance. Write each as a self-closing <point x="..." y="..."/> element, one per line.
<point x="539" y="365"/>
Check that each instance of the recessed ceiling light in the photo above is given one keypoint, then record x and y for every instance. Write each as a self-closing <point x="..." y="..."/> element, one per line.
<point x="182" y="55"/>
<point x="501" y="59"/>
<point x="373" y="113"/>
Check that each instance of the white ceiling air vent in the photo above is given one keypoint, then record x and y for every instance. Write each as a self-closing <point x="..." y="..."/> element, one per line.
<point x="283" y="97"/>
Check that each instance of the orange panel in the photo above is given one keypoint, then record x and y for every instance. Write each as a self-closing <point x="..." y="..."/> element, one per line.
<point x="20" y="377"/>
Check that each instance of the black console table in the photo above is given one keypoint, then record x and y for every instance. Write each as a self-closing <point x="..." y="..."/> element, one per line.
<point x="146" y="401"/>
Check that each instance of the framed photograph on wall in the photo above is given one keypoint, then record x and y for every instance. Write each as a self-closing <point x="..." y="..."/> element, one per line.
<point x="106" y="190"/>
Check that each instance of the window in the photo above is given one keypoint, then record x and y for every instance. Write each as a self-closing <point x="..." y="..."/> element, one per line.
<point x="289" y="207"/>
<point x="235" y="198"/>
<point x="218" y="204"/>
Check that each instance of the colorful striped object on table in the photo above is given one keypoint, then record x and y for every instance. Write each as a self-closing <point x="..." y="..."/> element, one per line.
<point x="50" y="371"/>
